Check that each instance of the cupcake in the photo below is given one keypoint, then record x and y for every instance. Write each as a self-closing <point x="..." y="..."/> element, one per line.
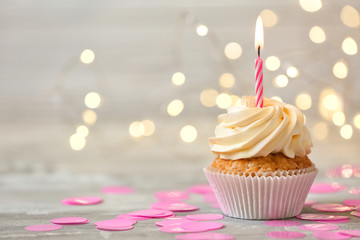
<point x="261" y="169"/>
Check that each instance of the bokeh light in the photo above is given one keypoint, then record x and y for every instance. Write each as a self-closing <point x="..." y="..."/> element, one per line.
<point x="272" y="63"/>
<point x="87" y="56"/>
<point x="89" y="117"/>
<point x="310" y="5"/>
<point x="227" y="80"/>
<point x="208" y="97"/>
<point x="175" y="107"/>
<point x="340" y="69"/>
<point x="320" y="130"/>
<point x="233" y="50"/>
<point x="92" y="100"/>
<point x="77" y="142"/>
<point x="280" y="81"/>
<point x="350" y="16"/>
<point x="303" y="101"/>
<point x="235" y="100"/>
<point x="178" y="78"/>
<point x="82" y="131"/>
<point x="349" y="46"/>
<point x="357" y="121"/>
<point x="149" y="127"/>
<point x="317" y="34"/>
<point x="223" y="101"/>
<point x="338" y="118"/>
<point x="268" y="17"/>
<point x="292" y="72"/>
<point x="136" y="129"/>
<point x="346" y="131"/>
<point x="188" y="133"/>
<point x="202" y="30"/>
<point x="277" y="98"/>
<point x="330" y="103"/>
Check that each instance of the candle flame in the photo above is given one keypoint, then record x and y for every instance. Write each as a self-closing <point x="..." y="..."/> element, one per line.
<point x="259" y="34"/>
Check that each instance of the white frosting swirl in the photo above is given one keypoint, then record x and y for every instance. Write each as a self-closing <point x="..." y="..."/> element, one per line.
<point x="247" y="131"/>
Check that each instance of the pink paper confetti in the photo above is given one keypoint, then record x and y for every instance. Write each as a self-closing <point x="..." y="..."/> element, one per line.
<point x="332" y="207"/>
<point x="352" y="202"/>
<point x="82" y="201"/>
<point x="356" y="213"/>
<point x="175" y="218"/>
<point x="333" y="221"/>
<point x="201" y="226"/>
<point x="174" y="206"/>
<point x="201" y="189"/>
<point x="285" y="234"/>
<point x="70" y="220"/>
<point x="326" y="188"/>
<point x="172" y="223"/>
<point x="282" y="223"/>
<point x="319" y="227"/>
<point x="118" y="222"/>
<point x="173" y="229"/>
<point x="205" y="217"/>
<point x="117" y="190"/>
<point x="210" y="198"/>
<point x="205" y="236"/>
<point x="330" y="235"/>
<point x="175" y="196"/>
<point x="136" y="218"/>
<point x="309" y="203"/>
<point x="154" y="213"/>
<point x="114" y="228"/>
<point x="353" y="233"/>
<point x="43" y="227"/>
<point x="315" y="216"/>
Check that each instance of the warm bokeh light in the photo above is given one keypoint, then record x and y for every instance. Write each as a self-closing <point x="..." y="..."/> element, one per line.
<point x="269" y="18"/>
<point x="350" y="16"/>
<point x="346" y="131"/>
<point x="202" y="30"/>
<point x="149" y="127"/>
<point x="357" y="121"/>
<point x="281" y="81"/>
<point x="233" y="50"/>
<point x="175" y="107"/>
<point x="272" y="63"/>
<point x="277" y="98"/>
<point x="77" y="142"/>
<point x="178" y="78"/>
<point x="92" y="100"/>
<point x="330" y="103"/>
<point x="340" y="69"/>
<point x="338" y="118"/>
<point x="320" y="130"/>
<point x="292" y="72"/>
<point x="349" y="46"/>
<point x="310" y="5"/>
<point x="303" y="101"/>
<point x="87" y="56"/>
<point x="227" y="80"/>
<point x="89" y="117"/>
<point x="136" y="129"/>
<point x="235" y="100"/>
<point x="208" y="97"/>
<point x="317" y="34"/>
<point x="82" y="131"/>
<point x="188" y="133"/>
<point x="223" y="101"/>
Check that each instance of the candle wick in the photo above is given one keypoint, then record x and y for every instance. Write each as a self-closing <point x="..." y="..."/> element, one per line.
<point x="258" y="51"/>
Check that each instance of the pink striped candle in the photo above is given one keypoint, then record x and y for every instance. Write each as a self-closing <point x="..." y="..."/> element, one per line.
<point x="259" y="42"/>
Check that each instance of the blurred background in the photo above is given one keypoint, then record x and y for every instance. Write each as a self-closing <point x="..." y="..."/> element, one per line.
<point x="95" y="92"/>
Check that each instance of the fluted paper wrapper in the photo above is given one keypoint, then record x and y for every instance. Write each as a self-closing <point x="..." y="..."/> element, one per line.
<point x="274" y="195"/>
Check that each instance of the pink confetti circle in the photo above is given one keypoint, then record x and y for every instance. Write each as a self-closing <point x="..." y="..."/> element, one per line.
<point x="171" y="223"/>
<point x="285" y="234"/>
<point x="153" y="213"/>
<point x="167" y="196"/>
<point x="117" y="190"/>
<point x="352" y="233"/>
<point x="201" y="189"/>
<point x="43" y="227"/>
<point x="319" y="227"/>
<point x="333" y="221"/>
<point x="282" y="223"/>
<point x="114" y="228"/>
<point x="315" y="216"/>
<point x="309" y="203"/>
<point x="118" y="222"/>
<point x="174" y="206"/>
<point x="356" y="213"/>
<point x="174" y="229"/>
<point x="82" y="201"/>
<point x="210" y="198"/>
<point x="205" y="236"/>
<point x="136" y="218"/>
<point x="205" y="217"/>
<point x="326" y="188"/>
<point x="330" y="235"/>
<point x="70" y="220"/>
<point x="201" y="226"/>
<point x="175" y="218"/>
<point x="352" y="202"/>
<point x="332" y="207"/>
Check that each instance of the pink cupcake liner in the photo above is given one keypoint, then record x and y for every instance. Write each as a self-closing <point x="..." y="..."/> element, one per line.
<point x="272" y="195"/>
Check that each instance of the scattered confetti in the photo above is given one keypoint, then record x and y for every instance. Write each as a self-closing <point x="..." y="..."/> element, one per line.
<point x="70" y="220"/>
<point x="43" y="227"/>
<point x="210" y="198"/>
<point x="309" y="203"/>
<point x="174" y="206"/>
<point x="117" y="190"/>
<point x="352" y="202"/>
<point x="345" y="220"/>
<point x="326" y="188"/>
<point x="206" y="235"/>
<point x="172" y="223"/>
<point x="175" y="196"/>
<point x="315" y="216"/>
<point x="319" y="227"/>
<point x="285" y="234"/>
<point x="154" y="213"/>
<point x="205" y="217"/>
<point x="137" y="218"/>
<point x="330" y="235"/>
<point x="118" y="222"/>
<point x="353" y="233"/>
<point x="201" y="189"/>
<point x="114" y="228"/>
<point x="356" y="213"/>
<point x="282" y="223"/>
<point x="82" y="201"/>
<point x="332" y="207"/>
<point x="201" y="226"/>
<point x="173" y="229"/>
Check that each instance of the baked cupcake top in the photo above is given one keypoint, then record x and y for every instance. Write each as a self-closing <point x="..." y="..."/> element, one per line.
<point x="247" y="131"/>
